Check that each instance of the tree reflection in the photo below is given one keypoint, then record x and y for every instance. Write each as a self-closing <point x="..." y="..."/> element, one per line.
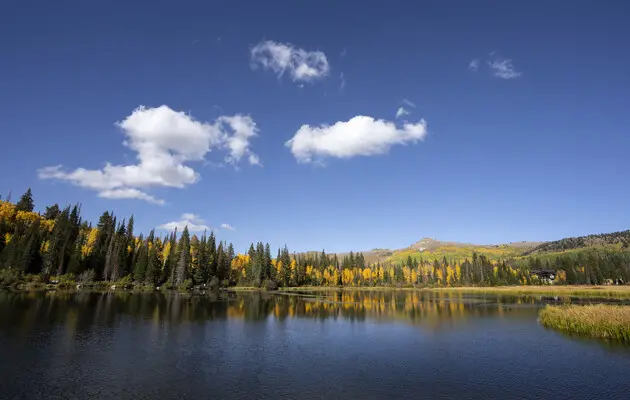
<point x="78" y="311"/>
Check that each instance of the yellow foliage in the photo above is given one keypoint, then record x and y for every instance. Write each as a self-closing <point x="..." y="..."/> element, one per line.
<point x="26" y="217"/>
<point x="367" y="274"/>
<point x="561" y="276"/>
<point x="450" y="273"/>
<point x="7" y="237"/>
<point x="7" y="211"/>
<point x="87" y="248"/>
<point x="440" y="275"/>
<point x="240" y="261"/>
<point x="166" y="251"/>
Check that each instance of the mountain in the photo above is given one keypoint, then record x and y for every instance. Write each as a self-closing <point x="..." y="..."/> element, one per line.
<point x="430" y="249"/>
<point x="621" y="238"/>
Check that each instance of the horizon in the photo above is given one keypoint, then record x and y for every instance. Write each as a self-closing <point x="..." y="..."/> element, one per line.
<point x="352" y="129"/>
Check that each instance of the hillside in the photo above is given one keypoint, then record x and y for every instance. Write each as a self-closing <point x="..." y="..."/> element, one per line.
<point x="621" y="238"/>
<point x="431" y="249"/>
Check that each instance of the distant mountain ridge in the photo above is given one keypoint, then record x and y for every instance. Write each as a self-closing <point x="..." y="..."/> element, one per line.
<point x="429" y="248"/>
<point x="622" y="238"/>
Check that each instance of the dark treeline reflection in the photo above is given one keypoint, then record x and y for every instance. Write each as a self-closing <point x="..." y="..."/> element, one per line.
<point x="78" y="311"/>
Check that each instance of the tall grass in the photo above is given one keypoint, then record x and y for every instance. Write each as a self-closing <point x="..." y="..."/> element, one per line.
<point x="614" y="292"/>
<point x="599" y="320"/>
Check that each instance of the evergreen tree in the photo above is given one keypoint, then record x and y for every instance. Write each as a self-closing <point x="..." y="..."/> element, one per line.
<point x="55" y="255"/>
<point x="211" y="248"/>
<point x="267" y="267"/>
<point x="152" y="274"/>
<point x="119" y="252"/>
<point x="201" y="272"/>
<point x="52" y="212"/>
<point x="11" y="252"/>
<point x="184" y="257"/>
<point x="142" y="262"/>
<point x="26" y="202"/>
<point x="29" y="249"/>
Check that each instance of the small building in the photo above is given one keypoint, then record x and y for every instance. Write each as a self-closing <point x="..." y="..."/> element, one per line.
<point x="545" y="275"/>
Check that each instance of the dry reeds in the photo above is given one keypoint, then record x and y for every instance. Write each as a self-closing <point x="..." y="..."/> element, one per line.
<point x="599" y="320"/>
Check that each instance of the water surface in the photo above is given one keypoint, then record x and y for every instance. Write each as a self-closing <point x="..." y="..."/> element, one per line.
<point x="341" y="345"/>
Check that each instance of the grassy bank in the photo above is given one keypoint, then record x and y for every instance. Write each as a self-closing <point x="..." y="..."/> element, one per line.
<point x="617" y="292"/>
<point x="599" y="321"/>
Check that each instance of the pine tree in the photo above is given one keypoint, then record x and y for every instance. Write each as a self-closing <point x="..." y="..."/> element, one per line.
<point x="11" y="251"/>
<point x="220" y="261"/>
<point x="267" y="267"/>
<point x="29" y="248"/>
<point x="52" y="212"/>
<point x="118" y="252"/>
<point x="153" y="263"/>
<point x="129" y="249"/>
<point x="55" y="255"/>
<point x="201" y="272"/>
<point x="142" y="262"/>
<point x="184" y="257"/>
<point x="26" y="202"/>
<point x="169" y="263"/>
<point x="211" y="248"/>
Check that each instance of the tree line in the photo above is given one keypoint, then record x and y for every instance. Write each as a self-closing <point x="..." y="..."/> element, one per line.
<point x="59" y="245"/>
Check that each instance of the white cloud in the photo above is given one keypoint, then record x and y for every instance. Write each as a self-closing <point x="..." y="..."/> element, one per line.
<point x="244" y="129"/>
<point x="164" y="141"/>
<point x="503" y="68"/>
<point x="359" y="136"/>
<point x="409" y="103"/>
<point x="402" y="112"/>
<point x="129" y="193"/>
<point x="342" y="83"/>
<point x="192" y="221"/>
<point x="474" y="64"/>
<point x="227" y="227"/>
<point x="301" y="65"/>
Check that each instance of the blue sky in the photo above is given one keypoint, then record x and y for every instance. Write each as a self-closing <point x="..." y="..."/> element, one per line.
<point x="519" y="129"/>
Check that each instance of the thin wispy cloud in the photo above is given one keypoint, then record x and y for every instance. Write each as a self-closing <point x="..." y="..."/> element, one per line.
<point x="359" y="136"/>
<point x="474" y="65"/>
<point x="284" y="58"/>
<point x="166" y="142"/>
<point x="190" y="220"/>
<point x="228" y="227"/>
<point x="401" y="112"/>
<point x="409" y="103"/>
<point x="502" y="67"/>
<point x="342" y="81"/>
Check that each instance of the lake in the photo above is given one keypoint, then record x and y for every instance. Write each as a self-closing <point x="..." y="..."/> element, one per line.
<point x="342" y="345"/>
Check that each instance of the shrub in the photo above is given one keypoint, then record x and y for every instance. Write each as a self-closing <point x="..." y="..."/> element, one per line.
<point x="270" y="285"/>
<point x="8" y="277"/>
<point x="214" y="283"/>
<point x="124" y="283"/>
<point x="186" y="285"/>
<point x="86" y="277"/>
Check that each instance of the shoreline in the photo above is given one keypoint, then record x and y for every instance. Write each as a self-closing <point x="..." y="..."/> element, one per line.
<point x="592" y="291"/>
<point x="622" y="291"/>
